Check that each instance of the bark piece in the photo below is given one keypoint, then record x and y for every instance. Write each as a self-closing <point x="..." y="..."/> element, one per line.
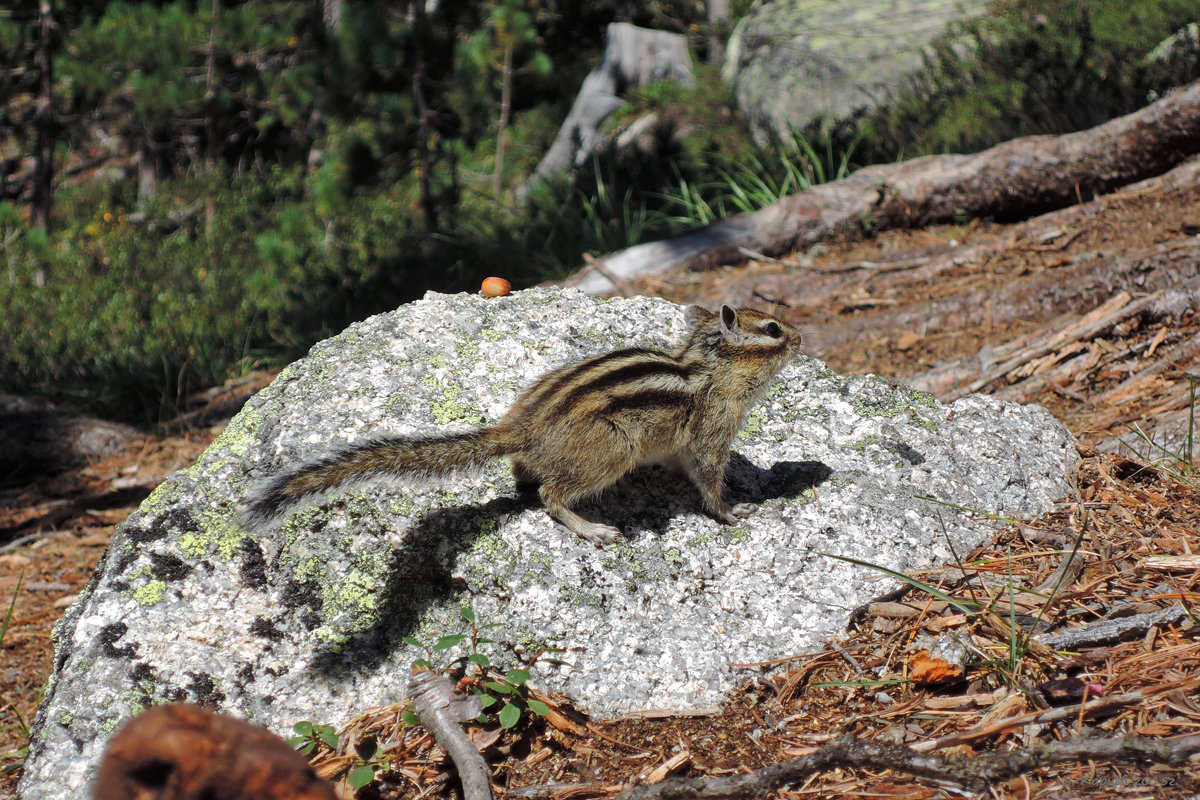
<point x="1110" y="631"/>
<point x="185" y="752"/>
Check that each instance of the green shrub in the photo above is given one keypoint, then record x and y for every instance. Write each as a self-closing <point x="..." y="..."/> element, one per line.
<point x="1031" y="67"/>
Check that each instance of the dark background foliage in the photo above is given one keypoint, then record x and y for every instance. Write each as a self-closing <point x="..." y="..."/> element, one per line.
<point x="231" y="181"/>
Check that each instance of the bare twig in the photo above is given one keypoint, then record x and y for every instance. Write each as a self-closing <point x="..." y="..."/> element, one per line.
<point x="441" y="709"/>
<point x="1090" y="708"/>
<point x="978" y="772"/>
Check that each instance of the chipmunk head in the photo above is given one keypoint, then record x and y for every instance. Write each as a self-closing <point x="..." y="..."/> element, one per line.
<point x="743" y="332"/>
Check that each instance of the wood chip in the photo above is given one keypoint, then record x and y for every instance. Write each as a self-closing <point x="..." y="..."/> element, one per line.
<point x="1188" y="563"/>
<point x="672" y="764"/>
<point x="905" y="610"/>
<point x="1158" y="339"/>
<point x="961" y="701"/>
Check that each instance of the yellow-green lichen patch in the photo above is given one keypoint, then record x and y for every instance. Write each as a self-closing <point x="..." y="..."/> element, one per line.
<point x="402" y="507"/>
<point x="151" y="593"/>
<point x="467" y="349"/>
<point x="726" y="535"/>
<point x="167" y="492"/>
<point x="576" y="596"/>
<point x="754" y="423"/>
<point x="239" y="435"/>
<point x="350" y="602"/>
<point x="108" y="727"/>
<point x="310" y="569"/>
<point x="827" y="374"/>
<point x="496" y="559"/>
<point x="861" y="445"/>
<point x="357" y="593"/>
<point x="797" y="414"/>
<point x="142" y="697"/>
<point x="804" y="496"/>
<point x="903" y="399"/>
<point x="397" y="404"/>
<point x="485" y="525"/>
<point x="333" y="640"/>
<point x="620" y="555"/>
<point x="298" y="524"/>
<point x="452" y="410"/>
<point x="226" y="532"/>
<point x="734" y="534"/>
<point x="194" y="545"/>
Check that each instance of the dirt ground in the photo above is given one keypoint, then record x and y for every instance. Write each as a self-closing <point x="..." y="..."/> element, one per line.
<point x="1005" y="309"/>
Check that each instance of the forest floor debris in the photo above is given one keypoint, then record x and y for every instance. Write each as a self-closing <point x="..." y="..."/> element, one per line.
<point x="963" y="670"/>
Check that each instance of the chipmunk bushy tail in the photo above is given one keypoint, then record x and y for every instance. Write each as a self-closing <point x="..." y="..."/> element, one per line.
<point x="413" y="457"/>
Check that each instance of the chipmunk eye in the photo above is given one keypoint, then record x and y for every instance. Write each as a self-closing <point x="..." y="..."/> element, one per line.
<point x="773" y="330"/>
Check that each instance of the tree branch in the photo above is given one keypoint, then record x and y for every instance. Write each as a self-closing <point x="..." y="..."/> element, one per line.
<point x="977" y="772"/>
<point x="441" y="709"/>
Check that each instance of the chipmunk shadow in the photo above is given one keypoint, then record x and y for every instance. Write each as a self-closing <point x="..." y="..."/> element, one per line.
<point x="648" y="499"/>
<point x="749" y="483"/>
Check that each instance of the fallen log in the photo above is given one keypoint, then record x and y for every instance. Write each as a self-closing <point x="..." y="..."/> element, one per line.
<point x="1016" y="179"/>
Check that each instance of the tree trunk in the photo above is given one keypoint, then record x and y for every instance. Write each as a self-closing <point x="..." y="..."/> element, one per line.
<point x="43" y="120"/>
<point x="505" y="114"/>
<point x="331" y="15"/>
<point x="1016" y="179"/>
<point x="632" y="57"/>
<point x="416" y="30"/>
<point x="718" y="19"/>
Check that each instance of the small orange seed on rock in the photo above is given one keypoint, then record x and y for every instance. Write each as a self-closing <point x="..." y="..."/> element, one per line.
<point x="495" y="287"/>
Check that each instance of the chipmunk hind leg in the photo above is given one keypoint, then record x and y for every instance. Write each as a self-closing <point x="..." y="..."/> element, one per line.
<point x="527" y="480"/>
<point x="584" y="477"/>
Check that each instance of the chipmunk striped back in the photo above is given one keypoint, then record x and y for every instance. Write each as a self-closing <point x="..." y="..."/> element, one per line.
<point x="578" y="429"/>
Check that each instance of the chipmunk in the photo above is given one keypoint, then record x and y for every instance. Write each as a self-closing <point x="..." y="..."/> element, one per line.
<point x="580" y="428"/>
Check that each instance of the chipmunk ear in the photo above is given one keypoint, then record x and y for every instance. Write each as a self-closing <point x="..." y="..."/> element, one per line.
<point x="729" y="319"/>
<point x="696" y="314"/>
<point x="731" y="326"/>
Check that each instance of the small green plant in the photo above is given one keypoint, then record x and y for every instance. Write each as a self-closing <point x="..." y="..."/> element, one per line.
<point x="310" y="734"/>
<point x="12" y="606"/>
<point x="507" y="694"/>
<point x="370" y="764"/>
<point x="511" y="693"/>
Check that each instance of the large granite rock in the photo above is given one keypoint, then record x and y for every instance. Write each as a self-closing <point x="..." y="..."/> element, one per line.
<point x="794" y="62"/>
<point x="304" y="621"/>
